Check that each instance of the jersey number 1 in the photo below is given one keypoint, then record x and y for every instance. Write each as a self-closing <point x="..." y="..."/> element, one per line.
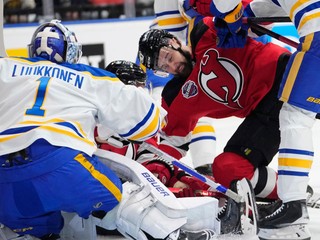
<point x="39" y="99"/>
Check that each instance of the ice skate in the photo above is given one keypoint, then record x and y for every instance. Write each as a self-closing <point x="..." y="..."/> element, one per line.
<point x="180" y="234"/>
<point x="265" y="209"/>
<point x="288" y="221"/>
<point x="313" y="198"/>
<point x="7" y="234"/>
<point x="239" y="218"/>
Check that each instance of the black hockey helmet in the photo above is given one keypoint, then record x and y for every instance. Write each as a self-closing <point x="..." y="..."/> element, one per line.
<point x="149" y="46"/>
<point x="128" y="72"/>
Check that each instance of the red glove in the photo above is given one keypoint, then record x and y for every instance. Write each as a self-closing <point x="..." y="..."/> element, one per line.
<point x="201" y="6"/>
<point x="163" y="170"/>
<point x="189" y="186"/>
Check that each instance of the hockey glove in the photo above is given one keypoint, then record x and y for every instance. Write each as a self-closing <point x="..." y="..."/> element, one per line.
<point x="160" y="168"/>
<point x="190" y="186"/>
<point x="187" y="11"/>
<point x="201" y="6"/>
<point x="230" y="30"/>
<point x="227" y="39"/>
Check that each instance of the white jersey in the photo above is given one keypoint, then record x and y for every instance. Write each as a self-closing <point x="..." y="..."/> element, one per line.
<point x="169" y="18"/>
<point x="63" y="103"/>
<point x="303" y="14"/>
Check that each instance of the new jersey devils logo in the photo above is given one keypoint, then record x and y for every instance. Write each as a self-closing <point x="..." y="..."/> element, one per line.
<point x="221" y="79"/>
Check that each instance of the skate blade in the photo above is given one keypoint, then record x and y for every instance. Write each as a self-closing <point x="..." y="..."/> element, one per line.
<point x="249" y="212"/>
<point x="313" y="200"/>
<point x="294" y="232"/>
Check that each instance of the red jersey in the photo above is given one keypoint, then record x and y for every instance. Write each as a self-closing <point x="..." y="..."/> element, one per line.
<point x="223" y="83"/>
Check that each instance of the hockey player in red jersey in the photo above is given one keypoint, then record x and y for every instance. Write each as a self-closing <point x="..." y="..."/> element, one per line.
<point x="219" y="83"/>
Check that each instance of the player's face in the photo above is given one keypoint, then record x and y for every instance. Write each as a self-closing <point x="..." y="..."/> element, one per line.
<point x="173" y="61"/>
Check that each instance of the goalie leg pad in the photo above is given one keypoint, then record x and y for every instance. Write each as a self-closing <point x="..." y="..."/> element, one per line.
<point x="138" y="213"/>
<point x="148" y="206"/>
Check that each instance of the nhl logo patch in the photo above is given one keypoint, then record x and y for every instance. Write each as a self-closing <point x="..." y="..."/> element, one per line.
<point x="189" y="89"/>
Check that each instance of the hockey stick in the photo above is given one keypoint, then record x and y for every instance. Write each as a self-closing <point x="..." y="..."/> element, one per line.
<point x="265" y="20"/>
<point x="274" y="35"/>
<point x="236" y="197"/>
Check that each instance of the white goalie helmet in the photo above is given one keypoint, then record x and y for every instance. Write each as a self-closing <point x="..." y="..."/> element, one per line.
<point x="56" y="43"/>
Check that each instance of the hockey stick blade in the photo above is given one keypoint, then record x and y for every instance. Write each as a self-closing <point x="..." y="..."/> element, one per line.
<point x="228" y="192"/>
<point x="249" y="213"/>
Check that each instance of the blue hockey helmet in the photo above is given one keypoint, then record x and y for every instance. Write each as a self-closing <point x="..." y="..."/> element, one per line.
<point x="56" y="43"/>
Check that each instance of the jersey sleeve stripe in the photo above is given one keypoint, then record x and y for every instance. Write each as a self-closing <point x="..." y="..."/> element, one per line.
<point x="150" y="130"/>
<point x="203" y="138"/>
<point x="148" y="126"/>
<point x="303" y="12"/>
<point x="164" y="13"/>
<point x="171" y="21"/>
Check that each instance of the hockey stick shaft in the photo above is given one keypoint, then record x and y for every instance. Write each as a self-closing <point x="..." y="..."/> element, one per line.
<point x="274" y="35"/>
<point x="236" y="197"/>
<point x="265" y="20"/>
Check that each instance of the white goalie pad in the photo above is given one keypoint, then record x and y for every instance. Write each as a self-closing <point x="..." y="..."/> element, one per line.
<point x="148" y="206"/>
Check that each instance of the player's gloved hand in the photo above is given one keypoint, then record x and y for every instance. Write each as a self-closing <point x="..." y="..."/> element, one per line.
<point x="231" y="32"/>
<point x="160" y="168"/>
<point x="202" y="6"/>
<point x="187" y="11"/>
<point x="227" y="39"/>
<point x="190" y="186"/>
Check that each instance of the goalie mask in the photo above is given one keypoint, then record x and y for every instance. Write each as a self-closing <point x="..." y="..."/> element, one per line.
<point x="54" y="42"/>
<point x="149" y="46"/>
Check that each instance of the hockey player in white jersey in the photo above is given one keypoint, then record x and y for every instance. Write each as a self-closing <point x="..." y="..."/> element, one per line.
<point x="49" y="161"/>
<point x="300" y="93"/>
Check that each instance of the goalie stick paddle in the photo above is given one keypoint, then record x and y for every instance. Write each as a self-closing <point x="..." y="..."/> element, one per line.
<point x="236" y="197"/>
